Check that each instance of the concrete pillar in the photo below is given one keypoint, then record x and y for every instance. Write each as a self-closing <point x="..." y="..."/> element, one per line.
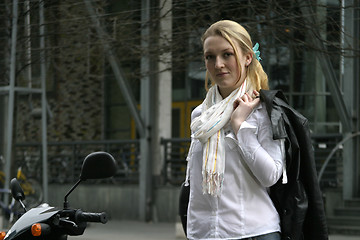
<point x="349" y="85"/>
<point x="164" y="92"/>
<point x="320" y="83"/>
<point x="145" y="181"/>
<point x="11" y="100"/>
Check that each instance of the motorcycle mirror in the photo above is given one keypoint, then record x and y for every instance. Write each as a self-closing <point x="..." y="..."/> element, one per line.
<point x="16" y="190"/>
<point x="98" y="165"/>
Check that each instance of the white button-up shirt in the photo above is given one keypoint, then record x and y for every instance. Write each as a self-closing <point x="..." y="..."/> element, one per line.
<point x="254" y="162"/>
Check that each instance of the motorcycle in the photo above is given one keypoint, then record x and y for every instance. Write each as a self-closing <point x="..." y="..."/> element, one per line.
<point x="46" y="222"/>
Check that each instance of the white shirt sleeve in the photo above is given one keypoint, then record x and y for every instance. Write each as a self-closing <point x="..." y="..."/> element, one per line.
<point x="263" y="155"/>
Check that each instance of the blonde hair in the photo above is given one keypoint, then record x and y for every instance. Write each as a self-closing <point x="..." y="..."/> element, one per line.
<point x="230" y="30"/>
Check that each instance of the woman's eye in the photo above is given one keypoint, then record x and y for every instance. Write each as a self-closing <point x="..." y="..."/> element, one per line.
<point x="208" y="57"/>
<point x="227" y="54"/>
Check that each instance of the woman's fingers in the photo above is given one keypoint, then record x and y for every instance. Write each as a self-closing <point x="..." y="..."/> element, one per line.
<point x="236" y="103"/>
<point x="246" y="97"/>
<point x="254" y="102"/>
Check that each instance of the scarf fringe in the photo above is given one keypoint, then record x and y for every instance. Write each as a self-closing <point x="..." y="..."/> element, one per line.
<point x="212" y="183"/>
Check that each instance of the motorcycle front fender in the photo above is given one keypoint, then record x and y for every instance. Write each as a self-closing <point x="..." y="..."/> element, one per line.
<point x="35" y="215"/>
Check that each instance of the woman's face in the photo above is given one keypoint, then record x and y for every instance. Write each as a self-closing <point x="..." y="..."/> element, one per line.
<point x="222" y="66"/>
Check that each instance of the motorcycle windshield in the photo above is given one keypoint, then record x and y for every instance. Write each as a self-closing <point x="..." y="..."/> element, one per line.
<point x="34" y="215"/>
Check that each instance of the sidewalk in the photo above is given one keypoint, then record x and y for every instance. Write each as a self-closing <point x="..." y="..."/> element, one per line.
<point x="135" y="230"/>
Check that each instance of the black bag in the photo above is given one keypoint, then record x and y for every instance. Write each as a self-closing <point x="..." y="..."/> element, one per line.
<point x="183" y="204"/>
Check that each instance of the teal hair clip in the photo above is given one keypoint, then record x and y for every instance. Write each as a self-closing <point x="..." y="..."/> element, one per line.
<point x="257" y="52"/>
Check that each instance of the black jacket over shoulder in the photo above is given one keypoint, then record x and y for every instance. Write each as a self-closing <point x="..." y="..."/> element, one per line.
<point x="299" y="202"/>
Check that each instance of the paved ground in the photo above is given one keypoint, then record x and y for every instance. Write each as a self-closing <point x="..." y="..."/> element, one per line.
<point x="147" y="231"/>
<point x="129" y="230"/>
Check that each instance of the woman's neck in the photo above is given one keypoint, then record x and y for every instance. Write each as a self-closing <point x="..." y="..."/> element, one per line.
<point x="225" y="92"/>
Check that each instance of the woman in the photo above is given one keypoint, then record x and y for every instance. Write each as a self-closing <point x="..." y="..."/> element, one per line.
<point x="233" y="159"/>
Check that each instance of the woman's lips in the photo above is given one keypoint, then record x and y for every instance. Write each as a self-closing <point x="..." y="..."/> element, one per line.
<point x="221" y="74"/>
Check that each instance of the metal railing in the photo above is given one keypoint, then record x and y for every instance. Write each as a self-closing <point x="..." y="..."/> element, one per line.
<point x="175" y="152"/>
<point x="333" y="153"/>
<point x="65" y="159"/>
<point x="323" y="144"/>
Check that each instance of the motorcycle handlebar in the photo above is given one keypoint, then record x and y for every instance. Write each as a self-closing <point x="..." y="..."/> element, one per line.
<point x="91" y="217"/>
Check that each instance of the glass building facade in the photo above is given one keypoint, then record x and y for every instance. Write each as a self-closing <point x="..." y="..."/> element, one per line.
<point x="286" y="31"/>
<point x="287" y="53"/>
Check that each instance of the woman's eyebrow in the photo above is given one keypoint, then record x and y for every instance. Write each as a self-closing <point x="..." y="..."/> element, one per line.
<point x="223" y="50"/>
<point x="227" y="49"/>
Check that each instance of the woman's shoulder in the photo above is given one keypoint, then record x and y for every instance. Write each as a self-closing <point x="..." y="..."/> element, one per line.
<point x="260" y="114"/>
<point x="196" y="112"/>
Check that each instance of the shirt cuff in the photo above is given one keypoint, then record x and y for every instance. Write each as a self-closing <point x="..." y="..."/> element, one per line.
<point x="247" y="139"/>
<point x="246" y="125"/>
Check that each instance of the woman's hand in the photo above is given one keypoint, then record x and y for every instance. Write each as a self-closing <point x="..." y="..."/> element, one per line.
<point x="242" y="108"/>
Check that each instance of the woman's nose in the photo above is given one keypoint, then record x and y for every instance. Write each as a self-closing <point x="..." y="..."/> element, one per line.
<point x="219" y="63"/>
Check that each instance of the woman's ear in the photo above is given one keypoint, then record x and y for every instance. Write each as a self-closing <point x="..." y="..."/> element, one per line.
<point x="249" y="58"/>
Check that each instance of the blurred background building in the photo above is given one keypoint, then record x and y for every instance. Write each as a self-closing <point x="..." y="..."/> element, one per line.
<point x="123" y="76"/>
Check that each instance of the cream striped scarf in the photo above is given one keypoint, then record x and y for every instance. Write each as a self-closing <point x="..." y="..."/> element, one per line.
<point x="208" y="129"/>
